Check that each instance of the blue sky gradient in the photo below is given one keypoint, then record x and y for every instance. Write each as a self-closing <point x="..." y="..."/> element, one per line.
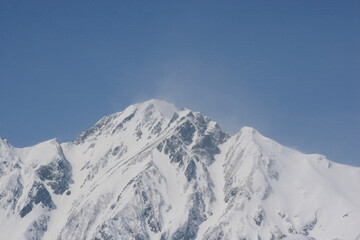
<point x="290" y="69"/>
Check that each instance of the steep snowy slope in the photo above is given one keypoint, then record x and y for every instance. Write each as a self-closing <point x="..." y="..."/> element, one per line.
<point x="155" y="172"/>
<point x="271" y="191"/>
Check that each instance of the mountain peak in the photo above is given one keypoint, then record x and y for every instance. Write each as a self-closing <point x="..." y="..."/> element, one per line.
<point x="165" y="108"/>
<point x="142" y="117"/>
<point x="248" y="130"/>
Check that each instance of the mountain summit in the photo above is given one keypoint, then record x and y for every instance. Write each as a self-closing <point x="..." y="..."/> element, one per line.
<point x="155" y="172"/>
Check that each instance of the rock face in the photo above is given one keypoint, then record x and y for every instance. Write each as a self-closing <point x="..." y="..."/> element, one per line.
<point x="30" y="177"/>
<point x="155" y="172"/>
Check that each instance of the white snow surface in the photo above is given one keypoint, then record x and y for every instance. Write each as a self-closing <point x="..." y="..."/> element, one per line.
<point x="155" y="172"/>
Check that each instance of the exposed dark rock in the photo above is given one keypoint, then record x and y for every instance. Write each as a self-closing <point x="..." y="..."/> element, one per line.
<point x="149" y="111"/>
<point x="138" y="134"/>
<point x="174" y="117"/>
<point x="57" y="175"/>
<point x="259" y="217"/>
<point x="173" y="148"/>
<point x="140" y="237"/>
<point x="206" y="147"/>
<point x="38" y="227"/>
<point x="272" y="172"/>
<point x="38" y="194"/>
<point x="292" y="230"/>
<point x="308" y="226"/>
<point x="164" y="236"/>
<point x="276" y="234"/>
<point x="123" y="122"/>
<point x="144" y="196"/>
<point x="25" y="210"/>
<point x="190" y="171"/>
<point x="195" y="217"/>
<point x="200" y="123"/>
<point x="186" y="132"/>
<point x="157" y="128"/>
<point x="11" y="192"/>
<point x="234" y="191"/>
<point x="160" y="146"/>
<point x="115" y="150"/>
<point x="95" y="130"/>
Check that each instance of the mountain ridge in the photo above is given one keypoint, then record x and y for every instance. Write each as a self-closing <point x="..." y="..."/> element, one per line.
<point x="155" y="172"/>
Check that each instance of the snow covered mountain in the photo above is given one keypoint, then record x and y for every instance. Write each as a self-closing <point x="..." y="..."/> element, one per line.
<point x="155" y="172"/>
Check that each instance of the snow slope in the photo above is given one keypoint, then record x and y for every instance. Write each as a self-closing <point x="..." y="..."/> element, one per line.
<point x="155" y="172"/>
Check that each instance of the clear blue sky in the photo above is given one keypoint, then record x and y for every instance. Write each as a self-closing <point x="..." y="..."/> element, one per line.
<point x="290" y="69"/>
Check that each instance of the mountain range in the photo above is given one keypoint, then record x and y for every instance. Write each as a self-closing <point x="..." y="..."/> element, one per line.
<point x="153" y="171"/>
